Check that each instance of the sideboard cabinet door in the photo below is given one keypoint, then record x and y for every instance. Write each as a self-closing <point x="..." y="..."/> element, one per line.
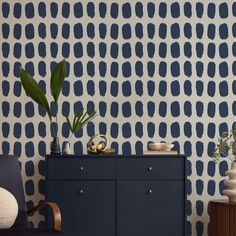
<point x="87" y="207"/>
<point x="150" y="208"/>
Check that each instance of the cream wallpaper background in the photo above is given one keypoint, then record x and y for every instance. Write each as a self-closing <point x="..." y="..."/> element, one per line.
<point x="154" y="71"/>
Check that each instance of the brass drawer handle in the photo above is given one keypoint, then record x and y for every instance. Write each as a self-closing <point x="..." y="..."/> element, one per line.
<point x="150" y="168"/>
<point x="81" y="168"/>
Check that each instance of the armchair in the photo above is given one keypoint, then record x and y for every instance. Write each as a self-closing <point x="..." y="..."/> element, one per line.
<point x="10" y="179"/>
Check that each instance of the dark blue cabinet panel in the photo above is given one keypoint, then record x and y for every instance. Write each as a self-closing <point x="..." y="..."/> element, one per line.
<point x="80" y="168"/>
<point x="150" y="208"/>
<point x="87" y="207"/>
<point x="150" y="168"/>
<point x="118" y="195"/>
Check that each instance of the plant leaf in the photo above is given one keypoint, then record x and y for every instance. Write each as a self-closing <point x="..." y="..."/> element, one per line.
<point x="76" y="118"/>
<point x="73" y="124"/>
<point x="89" y="118"/>
<point x="68" y="122"/>
<point x="34" y="91"/>
<point x="84" y="115"/>
<point x="57" y="79"/>
<point x="83" y="121"/>
<point x="80" y="120"/>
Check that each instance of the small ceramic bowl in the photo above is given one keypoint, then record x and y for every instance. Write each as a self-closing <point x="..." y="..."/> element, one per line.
<point x="160" y="146"/>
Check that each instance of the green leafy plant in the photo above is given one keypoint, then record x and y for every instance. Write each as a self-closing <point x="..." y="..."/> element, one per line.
<point x="57" y="78"/>
<point x="80" y="120"/>
<point x="34" y="91"/>
<point x="226" y="147"/>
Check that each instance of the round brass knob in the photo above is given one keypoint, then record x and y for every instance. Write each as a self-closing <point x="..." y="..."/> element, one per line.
<point x="81" y="168"/>
<point x="150" y="191"/>
<point x="150" y="168"/>
<point x="81" y="191"/>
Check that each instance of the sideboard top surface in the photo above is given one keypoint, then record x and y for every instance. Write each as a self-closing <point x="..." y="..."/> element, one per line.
<point x="116" y="156"/>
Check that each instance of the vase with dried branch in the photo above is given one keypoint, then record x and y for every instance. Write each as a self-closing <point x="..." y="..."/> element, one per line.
<point x="226" y="148"/>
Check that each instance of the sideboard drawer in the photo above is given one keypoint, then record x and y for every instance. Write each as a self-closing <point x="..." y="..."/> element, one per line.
<point x="87" y="207"/>
<point x="151" y="168"/>
<point x="152" y="208"/>
<point x="81" y="168"/>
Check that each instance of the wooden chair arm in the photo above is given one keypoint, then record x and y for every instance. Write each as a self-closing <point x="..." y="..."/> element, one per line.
<point x="55" y="210"/>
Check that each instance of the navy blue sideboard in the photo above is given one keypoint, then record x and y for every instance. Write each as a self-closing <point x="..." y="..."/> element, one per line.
<point x="118" y="195"/>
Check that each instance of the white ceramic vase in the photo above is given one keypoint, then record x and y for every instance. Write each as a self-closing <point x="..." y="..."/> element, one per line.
<point x="231" y="183"/>
<point x="67" y="150"/>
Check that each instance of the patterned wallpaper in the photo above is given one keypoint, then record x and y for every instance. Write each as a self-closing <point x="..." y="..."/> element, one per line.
<point x="154" y="70"/>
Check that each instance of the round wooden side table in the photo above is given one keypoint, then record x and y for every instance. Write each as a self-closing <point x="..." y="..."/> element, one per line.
<point x="222" y="218"/>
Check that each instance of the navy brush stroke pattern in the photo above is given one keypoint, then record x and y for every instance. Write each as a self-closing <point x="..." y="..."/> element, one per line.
<point x="154" y="70"/>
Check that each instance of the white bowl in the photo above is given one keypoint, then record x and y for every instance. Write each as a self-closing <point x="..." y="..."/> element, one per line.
<point x="160" y="146"/>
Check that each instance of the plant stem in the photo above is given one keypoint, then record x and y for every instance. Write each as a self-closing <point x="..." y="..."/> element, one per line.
<point x="56" y="119"/>
<point x="70" y="137"/>
<point x="51" y="128"/>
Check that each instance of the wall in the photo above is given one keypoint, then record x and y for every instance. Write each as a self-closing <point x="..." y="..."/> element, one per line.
<point x="154" y="70"/>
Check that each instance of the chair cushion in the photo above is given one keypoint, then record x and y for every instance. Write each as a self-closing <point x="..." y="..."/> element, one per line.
<point x="10" y="179"/>
<point x="29" y="232"/>
<point x="8" y="209"/>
